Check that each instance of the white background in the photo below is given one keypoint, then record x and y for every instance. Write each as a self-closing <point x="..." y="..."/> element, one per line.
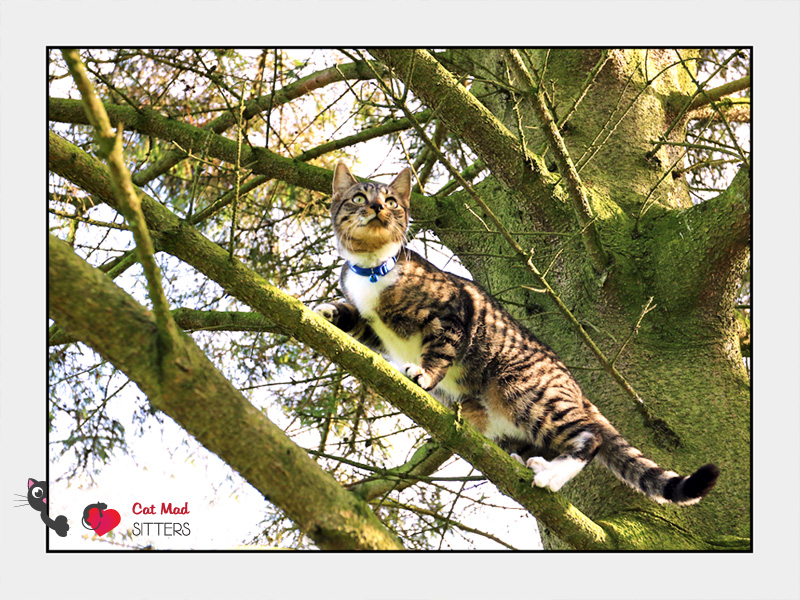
<point x="26" y="28"/>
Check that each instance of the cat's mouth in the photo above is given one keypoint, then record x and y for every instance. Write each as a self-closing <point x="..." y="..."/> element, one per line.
<point x="372" y="219"/>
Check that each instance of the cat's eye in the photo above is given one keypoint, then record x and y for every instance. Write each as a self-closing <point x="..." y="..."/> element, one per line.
<point x="391" y="203"/>
<point x="37" y="492"/>
<point x="359" y="199"/>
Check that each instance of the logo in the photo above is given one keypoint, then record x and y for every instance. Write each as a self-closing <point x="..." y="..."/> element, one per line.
<point x="100" y="518"/>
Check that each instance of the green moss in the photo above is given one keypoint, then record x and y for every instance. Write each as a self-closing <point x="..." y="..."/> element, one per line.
<point x="640" y="530"/>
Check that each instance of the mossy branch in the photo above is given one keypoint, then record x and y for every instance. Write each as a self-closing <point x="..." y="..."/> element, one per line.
<point x="188" y="388"/>
<point x="701" y="97"/>
<point x="425" y="461"/>
<point x="258" y="105"/>
<point x="711" y="101"/>
<point x="705" y="97"/>
<point x="193" y="139"/>
<point x="190" y="319"/>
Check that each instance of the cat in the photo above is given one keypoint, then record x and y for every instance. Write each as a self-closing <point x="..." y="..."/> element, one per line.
<point x="87" y="514"/>
<point x="37" y="500"/>
<point x="457" y="342"/>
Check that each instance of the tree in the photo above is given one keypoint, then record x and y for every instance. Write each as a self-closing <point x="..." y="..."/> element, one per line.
<point x="603" y="196"/>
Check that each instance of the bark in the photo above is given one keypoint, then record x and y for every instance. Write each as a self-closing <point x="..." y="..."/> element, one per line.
<point x="190" y="319"/>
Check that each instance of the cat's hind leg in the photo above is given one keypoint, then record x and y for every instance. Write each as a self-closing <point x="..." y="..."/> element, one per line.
<point x="553" y="474"/>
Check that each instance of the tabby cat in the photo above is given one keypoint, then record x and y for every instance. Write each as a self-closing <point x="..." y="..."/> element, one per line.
<point x="454" y="340"/>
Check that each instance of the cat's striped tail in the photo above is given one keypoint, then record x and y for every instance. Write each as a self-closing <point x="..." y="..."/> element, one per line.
<point x="642" y="474"/>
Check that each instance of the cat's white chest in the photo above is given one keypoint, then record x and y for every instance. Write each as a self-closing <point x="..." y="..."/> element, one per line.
<point x="366" y="297"/>
<point x="400" y="351"/>
<point x="366" y="294"/>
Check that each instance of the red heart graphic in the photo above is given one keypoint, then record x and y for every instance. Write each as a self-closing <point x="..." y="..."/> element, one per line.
<point x="102" y="525"/>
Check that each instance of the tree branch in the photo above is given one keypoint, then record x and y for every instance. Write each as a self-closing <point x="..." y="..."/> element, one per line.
<point x="196" y="140"/>
<point x="255" y="106"/>
<point x="128" y="201"/>
<point x="464" y="114"/>
<point x="735" y="110"/>
<point x="192" y="392"/>
<point x="190" y="319"/>
<point x="425" y="461"/>
<point x="717" y="93"/>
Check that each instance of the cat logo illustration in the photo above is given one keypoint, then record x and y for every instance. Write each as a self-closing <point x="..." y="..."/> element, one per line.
<point x="99" y="518"/>
<point x="37" y="500"/>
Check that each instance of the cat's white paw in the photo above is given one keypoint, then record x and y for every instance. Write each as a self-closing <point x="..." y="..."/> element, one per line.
<point x="518" y="458"/>
<point x="418" y="375"/>
<point x="552" y="475"/>
<point x="544" y="474"/>
<point x="326" y="311"/>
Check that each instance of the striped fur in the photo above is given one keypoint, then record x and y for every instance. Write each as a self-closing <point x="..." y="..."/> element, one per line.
<point x="456" y="341"/>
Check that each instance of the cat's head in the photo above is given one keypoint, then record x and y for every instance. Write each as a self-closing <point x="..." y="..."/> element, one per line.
<point x="369" y="219"/>
<point x="37" y="494"/>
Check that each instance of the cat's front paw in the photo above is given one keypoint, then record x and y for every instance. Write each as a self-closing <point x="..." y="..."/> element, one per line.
<point x="419" y="376"/>
<point x="327" y="311"/>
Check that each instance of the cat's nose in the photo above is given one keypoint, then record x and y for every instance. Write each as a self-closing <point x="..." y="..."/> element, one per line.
<point x="376" y="206"/>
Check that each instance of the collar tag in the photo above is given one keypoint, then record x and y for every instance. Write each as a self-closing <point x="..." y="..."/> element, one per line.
<point x="374" y="272"/>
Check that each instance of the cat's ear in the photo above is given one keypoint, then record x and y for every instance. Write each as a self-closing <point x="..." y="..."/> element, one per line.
<point x="31" y="483"/>
<point x="402" y="184"/>
<point x="343" y="179"/>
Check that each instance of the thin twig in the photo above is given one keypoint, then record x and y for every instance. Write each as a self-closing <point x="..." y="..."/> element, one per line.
<point x="448" y="521"/>
<point x="635" y="329"/>
<point x="87" y="220"/>
<point x="388" y="473"/>
<point x="716" y="109"/>
<point x="130" y="204"/>
<point x="577" y="193"/>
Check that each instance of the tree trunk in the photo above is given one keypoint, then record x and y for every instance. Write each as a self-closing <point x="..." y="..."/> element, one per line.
<point x="684" y="362"/>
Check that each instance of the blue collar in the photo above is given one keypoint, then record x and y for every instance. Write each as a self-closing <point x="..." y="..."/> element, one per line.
<point x="374" y="272"/>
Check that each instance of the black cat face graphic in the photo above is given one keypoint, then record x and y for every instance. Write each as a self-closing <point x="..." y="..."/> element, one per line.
<point x="37" y="494"/>
<point x="37" y="500"/>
